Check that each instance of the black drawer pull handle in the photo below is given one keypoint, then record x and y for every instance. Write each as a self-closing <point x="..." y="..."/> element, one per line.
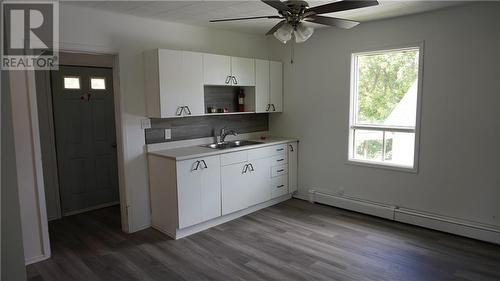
<point x="280" y="186"/>
<point x="280" y="149"/>
<point x="204" y="164"/>
<point x="279" y="171"/>
<point x="197" y="165"/>
<point x="279" y="160"/>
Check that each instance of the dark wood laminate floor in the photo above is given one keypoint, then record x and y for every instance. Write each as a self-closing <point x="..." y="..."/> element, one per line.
<point x="294" y="240"/>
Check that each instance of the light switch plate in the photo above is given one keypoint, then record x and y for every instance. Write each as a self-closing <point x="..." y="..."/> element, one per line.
<point x="168" y="134"/>
<point x="146" y="123"/>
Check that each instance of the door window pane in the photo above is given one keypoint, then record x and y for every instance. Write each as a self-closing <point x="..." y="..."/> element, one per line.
<point x="98" y="83"/>
<point x="368" y="145"/>
<point x="71" y="82"/>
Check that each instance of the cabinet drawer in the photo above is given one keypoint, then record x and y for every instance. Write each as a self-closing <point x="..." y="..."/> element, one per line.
<point x="279" y="186"/>
<point x="267" y="151"/>
<point x="233" y="158"/>
<point x="279" y="170"/>
<point x="279" y="160"/>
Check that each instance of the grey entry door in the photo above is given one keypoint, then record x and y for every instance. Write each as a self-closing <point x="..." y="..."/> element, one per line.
<point x="85" y="137"/>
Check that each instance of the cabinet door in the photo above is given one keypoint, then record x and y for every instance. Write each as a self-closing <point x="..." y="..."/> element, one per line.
<point x="276" y="86"/>
<point x="243" y="70"/>
<point x="192" y="80"/>
<point x="211" y="187"/>
<point x="171" y="82"/>
<point x="259" y="188"/>
<point x="261" y="85"/>
<point x="216" y="69"/>
<point x="292" y="167"/>
<point x="198" y="190"/>
<point x="234" y="188"/>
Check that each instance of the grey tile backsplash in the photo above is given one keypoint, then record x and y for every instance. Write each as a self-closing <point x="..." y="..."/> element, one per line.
<point x="184" y="128"/>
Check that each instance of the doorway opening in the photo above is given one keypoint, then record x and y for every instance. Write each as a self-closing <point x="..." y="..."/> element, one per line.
<point x="77" y="115"/>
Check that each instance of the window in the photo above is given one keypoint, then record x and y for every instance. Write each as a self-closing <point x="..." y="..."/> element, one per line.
<point x="383" y="112"/>
<point x="97" y="83"/>
<point x="72" y="82"/>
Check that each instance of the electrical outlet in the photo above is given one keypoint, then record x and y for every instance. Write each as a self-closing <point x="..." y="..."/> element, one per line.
<point x="146" y="123"/>
<point x="168" y="134"/>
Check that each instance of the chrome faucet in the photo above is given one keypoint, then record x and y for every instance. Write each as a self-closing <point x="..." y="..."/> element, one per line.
<point x="224" y="133"/>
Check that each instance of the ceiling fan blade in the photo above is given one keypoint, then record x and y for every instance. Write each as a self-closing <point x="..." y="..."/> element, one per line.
<point x="342" y="6"/>
<point x="278" y="5"/>
<point x="332" y="21"/>
<point x="276" y="27"/>
<point x="249" y="18"/>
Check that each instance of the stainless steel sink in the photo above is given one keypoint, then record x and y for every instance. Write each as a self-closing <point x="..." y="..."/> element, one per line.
<point x="231" y="144"/>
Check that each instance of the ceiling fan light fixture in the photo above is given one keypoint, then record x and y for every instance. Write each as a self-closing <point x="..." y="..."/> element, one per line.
<point x="302" y="33"/>
<point x="284" y="33"/>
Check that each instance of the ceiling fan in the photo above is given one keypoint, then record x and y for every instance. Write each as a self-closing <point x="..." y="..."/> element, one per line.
<point x="293" y="14"/>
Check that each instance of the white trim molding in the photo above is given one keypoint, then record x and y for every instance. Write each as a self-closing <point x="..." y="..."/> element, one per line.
<point x="471" y="229"/>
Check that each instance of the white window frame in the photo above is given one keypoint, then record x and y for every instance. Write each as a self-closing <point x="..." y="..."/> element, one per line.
<point x="353" y="105"/>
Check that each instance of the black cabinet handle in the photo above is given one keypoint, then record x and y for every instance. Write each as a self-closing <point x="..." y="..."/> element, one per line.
<point x="245" y="169"/>
<point x="291" y="147"/>
<point x="280" y="149"/>
<point x="204" y="164"/>
<point x="280" y="170"/>
<point x="179" y="112"/>
<point x="188" y="111"/>
<point x="197" y="166"/>
<point x="228" y="79"/>
<point x="235" y="81"/>
<point x="274" y="108"/>
<point x="279" y="160"/>
<point x="251" y="167"/>
<point x="280" y="186"/>
<point x="268" y="107"/>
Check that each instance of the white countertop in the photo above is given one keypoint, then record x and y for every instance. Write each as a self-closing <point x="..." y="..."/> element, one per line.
<point x="189" y="152"/>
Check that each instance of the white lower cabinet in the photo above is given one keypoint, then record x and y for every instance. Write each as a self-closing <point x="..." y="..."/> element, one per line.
<point x="198" y="190"/>
<point x="190" y="195"/>
<point x="235" y="185"/>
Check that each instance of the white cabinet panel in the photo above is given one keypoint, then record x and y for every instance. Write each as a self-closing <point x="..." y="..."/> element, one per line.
<point x="192" y="80"/>
<point x="243" y="71"/>
<point x="198" y="190"/>
<point x="293" y="166"/>
<point x="276" y="86"/>
<point x="216" y="69"/>
<point x="235" y="185"/>
<point x="171" y="82"/>
<point x="279" y="186"/>
<point x="259" y="181"/>
<point x="262" y="99"/>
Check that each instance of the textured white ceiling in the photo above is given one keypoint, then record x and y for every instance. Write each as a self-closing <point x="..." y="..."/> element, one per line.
<point x="200" y="12"/>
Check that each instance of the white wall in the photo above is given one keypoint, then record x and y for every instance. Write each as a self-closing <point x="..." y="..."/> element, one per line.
<point x="93" y="30"/>
<point x="460" y="133"/>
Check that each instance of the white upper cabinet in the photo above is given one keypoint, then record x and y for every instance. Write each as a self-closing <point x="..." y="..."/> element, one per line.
<point x="216" y="69"/>
<point x="173" y="83"/>
<point x="243" y="71"/>
<point x="262" y="100"/>
<point x="276" y="86"/>
<point x="268" y="86"/>
<point x="228" y="71"/>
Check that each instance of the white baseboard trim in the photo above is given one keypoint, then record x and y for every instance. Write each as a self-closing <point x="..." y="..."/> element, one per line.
<point x="36" y="259"/>
<point x="476" y="230"/>
<point x="180" y="233"/>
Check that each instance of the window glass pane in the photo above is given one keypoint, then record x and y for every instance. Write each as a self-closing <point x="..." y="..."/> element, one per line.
<point x="98" y="83"/>
<point x="387" y="88"/>
<point x="399" y="148"/>
<point x="71" y="82"/>
<point x="368" y="145"/>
